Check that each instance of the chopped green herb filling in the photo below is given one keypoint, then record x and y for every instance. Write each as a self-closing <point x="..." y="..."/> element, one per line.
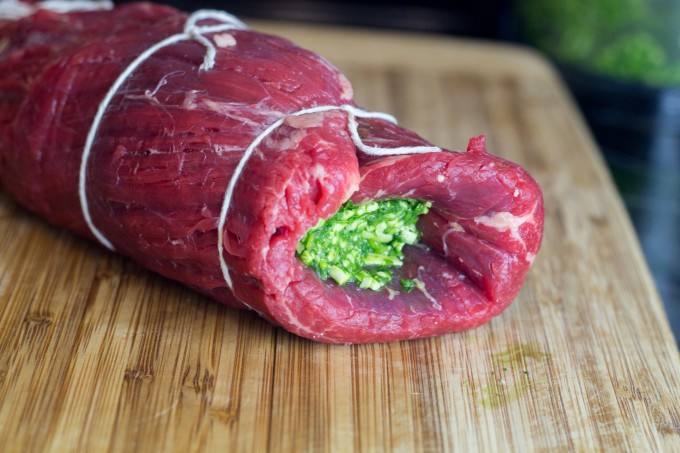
<point x="408" y="285"/>
<point x="363" y="243"/>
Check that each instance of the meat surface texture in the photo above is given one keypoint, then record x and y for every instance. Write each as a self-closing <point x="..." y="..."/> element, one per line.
<point x="170" y="141"/>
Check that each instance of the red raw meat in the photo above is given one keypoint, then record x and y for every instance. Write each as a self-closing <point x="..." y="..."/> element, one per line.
<point x="173" y="135"/>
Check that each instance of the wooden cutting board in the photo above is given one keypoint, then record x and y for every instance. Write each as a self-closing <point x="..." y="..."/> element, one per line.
<point x="97" y="354"/>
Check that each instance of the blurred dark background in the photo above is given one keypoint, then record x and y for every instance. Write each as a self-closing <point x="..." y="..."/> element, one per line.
<point x="620" y="58"/>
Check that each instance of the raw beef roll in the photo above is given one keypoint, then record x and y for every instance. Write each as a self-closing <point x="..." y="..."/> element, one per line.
<point x="237" y="163"/>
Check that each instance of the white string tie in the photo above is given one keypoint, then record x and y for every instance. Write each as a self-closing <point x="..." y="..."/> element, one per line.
<point x="353" y="126"/>
<point x="192" y="32"/>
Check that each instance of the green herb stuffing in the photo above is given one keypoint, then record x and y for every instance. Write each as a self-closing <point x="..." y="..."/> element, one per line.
<point x="363" y="243"/>
<point x="408" y="285"/>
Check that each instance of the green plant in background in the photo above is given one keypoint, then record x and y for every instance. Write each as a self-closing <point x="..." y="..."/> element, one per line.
<point x="632" y="40"/>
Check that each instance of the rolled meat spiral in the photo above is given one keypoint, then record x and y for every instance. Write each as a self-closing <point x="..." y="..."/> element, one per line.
<point x="169" y="145"/>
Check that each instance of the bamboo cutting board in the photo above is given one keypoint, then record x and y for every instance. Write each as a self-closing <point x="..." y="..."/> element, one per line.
<point x="97" y="354"/>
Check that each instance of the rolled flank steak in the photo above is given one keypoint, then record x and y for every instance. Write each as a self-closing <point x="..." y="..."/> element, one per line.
<point x="238" y="164"/>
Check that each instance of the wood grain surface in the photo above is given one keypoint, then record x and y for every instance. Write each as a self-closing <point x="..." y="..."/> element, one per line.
<point x="97" y="354"/>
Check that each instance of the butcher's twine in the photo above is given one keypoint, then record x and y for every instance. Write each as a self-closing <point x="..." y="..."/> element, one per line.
<point x="194" y="32"/>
